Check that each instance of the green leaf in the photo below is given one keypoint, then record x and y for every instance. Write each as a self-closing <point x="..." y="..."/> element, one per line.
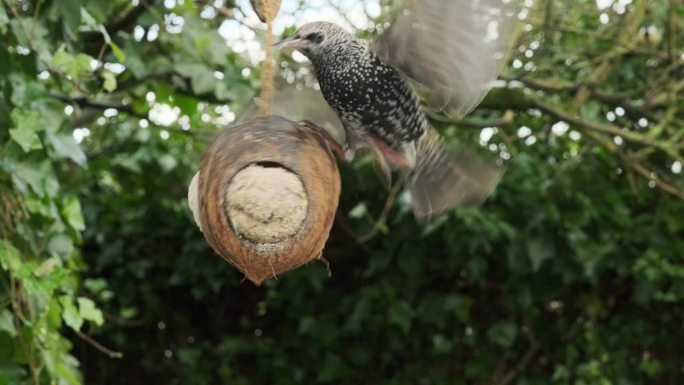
<point x="358" y="211"/>
<point x="73" y="214"/>
<point x="441" y="345"/>
<point x="70" y="314"/>
<point x="95" y="285"/>
<point x="10" y="259"/>
<point x="28" y="124"/>
<point x="27" y="139"/>
<point x="539" y="251"/>
<point x="52" y="315"/>
<point x="503" y="334"/>
<point x="109" y="81"/>
<point x="400" y="313"/>
<point x="6" y="347"/>
<point x="12" y="374"/>
<point x="167" y="162"/>
<point x="66" y="147"/>
<point x="460" y="305"/>
<point x="100" y="10"/>
<point x="134" y="61"/>
<point x="4" y="20"/>
<point x="71" y="15"/>
<point x="67" y="374"/>
<point x="187" y="104"/>
<point x="74" y="66"/>
<point x="38" y="173"/>
<point x="61" y="244"/>
<point x="201" y="77"/>
<point x="118" y="53"/>
<point x="46" y="267"/>
<point x="7" y="322"/>
<point x="89" y="311"/>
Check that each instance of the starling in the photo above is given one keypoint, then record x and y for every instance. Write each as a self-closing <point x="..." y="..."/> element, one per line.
<point x="452" y="49"/>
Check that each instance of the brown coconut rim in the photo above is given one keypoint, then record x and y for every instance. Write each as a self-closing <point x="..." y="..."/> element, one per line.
<point x="239" y="227"/>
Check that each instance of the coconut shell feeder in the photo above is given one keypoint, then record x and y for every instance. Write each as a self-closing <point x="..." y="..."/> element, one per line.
<point x="266" y="195"/>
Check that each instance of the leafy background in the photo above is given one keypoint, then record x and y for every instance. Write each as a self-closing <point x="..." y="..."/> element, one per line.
<point x="572" y="273"/>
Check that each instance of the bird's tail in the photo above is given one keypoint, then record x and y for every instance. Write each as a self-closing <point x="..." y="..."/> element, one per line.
<point x="446" y="177"/>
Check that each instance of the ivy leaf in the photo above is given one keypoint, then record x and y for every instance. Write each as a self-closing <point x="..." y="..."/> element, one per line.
<point x="52" y="315"/>
<point x="187" y="104"/>
<point x="503" y="334"/>
<point x="539" y="251"/>
<point x="134" y="62"/>
<point x="27" y="124"/>
<point x="46" y="267"/>
<point x="6" y="347"/>
<point x="74" y="66"/>
<point x="68" y="374"/>
<point x="201" y="77"/>
<point x="37" y="173"/>
<point x="71" y="13"/>
<point x="89" y="311"/>
<point x="65" y="145"/>
<point x="60" y="244"/>
<point x="27" y="138"/>
<point x="400" y="313"/>
<point x="70" y="314"/>
<point x="7" y="323"/>
<point x="442" y="345"/>
<point x="4" y="20"/>
<point x="10" y="259"/>
<point x="73" y="214"/>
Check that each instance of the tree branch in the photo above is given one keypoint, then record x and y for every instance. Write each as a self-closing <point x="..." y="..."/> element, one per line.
<point x="98" y="346"/>
<point x="525" y="361"/>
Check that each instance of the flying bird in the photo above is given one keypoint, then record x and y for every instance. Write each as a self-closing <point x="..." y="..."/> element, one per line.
<point x="447" y="51"/>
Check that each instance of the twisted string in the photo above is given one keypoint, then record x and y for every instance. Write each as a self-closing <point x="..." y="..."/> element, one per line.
<point x="267" y="11"/>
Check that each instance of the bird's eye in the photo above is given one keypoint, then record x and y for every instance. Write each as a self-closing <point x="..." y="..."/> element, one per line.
<point x="314" y="37"/>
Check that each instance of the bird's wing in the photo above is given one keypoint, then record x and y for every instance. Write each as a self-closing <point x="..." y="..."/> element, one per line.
<point x="298" y="102"/>
<point x="453" y="48"/>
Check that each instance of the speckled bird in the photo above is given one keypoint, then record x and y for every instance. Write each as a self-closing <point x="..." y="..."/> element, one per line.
<point x="367" y="85"/>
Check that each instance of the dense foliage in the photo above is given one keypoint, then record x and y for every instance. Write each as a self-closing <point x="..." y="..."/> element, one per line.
<point x="572" y="273"/>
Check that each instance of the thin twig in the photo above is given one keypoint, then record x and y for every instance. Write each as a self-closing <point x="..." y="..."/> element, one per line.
<point x="660" y="183"/>
<point x="383" y="216"/>
<point x="98" y="346"/>
<point x="506" y="119"/>
<point x="606" y="128"/>
<point x="29" y="40"/>
<point x="532" y="351"/>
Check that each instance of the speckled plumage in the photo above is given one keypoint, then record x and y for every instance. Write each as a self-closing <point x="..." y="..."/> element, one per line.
<point x="371" y="98"/>
<point x="379" y="110"/>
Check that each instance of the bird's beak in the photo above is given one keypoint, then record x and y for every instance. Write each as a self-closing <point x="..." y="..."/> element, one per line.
<point x="291" y="42"/>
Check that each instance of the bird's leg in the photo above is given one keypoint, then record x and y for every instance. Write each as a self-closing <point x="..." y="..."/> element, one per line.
<point x="392" y="156"/>
<point x="332" y="143"/>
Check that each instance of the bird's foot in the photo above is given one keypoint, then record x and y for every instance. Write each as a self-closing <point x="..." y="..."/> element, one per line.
<point x="349" y="154"/>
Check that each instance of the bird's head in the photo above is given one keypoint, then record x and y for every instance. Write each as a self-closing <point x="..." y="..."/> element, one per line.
<point x="314" y="40"/>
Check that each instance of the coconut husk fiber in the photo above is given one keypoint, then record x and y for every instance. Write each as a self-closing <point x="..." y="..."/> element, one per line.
<point x="266" y="195"/>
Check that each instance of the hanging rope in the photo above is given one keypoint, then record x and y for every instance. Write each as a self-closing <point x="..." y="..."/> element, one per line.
<point x="267" y="11"/>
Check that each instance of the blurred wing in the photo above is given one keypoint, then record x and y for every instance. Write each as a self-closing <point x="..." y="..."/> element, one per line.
<point x="454" y="48"/>
<point x="298" y="102"/>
